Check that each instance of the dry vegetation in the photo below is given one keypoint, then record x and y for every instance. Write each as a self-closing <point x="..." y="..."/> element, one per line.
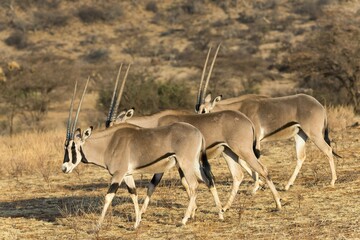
<point x="38" y="201"/>
<point x="269" y="47"/>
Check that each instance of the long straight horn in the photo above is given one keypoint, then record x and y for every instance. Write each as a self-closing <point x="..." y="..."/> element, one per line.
<point x="200" y="93"/>
<point x="210" y="71"/>
<point x="68" y="134"/>
<point x="79" y="107"/>
<point x="120" y="94"/>
<point x="111" y="109"/>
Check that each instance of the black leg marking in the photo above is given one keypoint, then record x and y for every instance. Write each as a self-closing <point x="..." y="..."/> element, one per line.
<point x="131" y="190"/>
<point x="181" y="173"/>
<point x="156" y="179"/>
<point x="113" y="188"/>
<point x="302" y="134"/>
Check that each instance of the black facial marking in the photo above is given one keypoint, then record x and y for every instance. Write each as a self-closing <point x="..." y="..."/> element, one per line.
<point x="113" y="188"/>
<point x="66" y="156"/>
<point x="73" y="153"/>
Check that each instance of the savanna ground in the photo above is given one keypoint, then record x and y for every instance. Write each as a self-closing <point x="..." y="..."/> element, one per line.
<point x="57" y="42"/>
<point x="38" y="201"/>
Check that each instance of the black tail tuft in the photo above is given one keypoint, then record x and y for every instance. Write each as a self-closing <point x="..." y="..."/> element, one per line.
<point x="256" y="151"/>
<point x="207" y="169"/>
<point x="327" y="140"/>
<point x="326" y="136"/>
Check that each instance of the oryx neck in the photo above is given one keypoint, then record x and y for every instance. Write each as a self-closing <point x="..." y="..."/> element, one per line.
<point x="152" y="121"/>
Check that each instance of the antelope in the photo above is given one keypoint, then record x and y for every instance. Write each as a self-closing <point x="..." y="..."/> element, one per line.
<point x="228" y="133"/>
<point x="127" y="149"/>
<point x="300" y="116"/>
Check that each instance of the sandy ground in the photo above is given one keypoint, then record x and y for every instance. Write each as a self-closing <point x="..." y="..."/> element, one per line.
<point x="67" y="206"/>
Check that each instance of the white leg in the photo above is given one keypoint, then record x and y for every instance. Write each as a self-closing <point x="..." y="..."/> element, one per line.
<point x="301" y="155"/>
<point x="323" y="146"/>
<point x="253" y="174"/>
<point x="237" y="176"/>
<point x="129" y="180"/>
<point x="151" y="188"/>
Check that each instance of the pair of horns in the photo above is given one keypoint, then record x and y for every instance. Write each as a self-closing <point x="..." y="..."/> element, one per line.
<point x="202" y="91"/>
<point x="114" y="106"/>
<point x="70" y="134"/>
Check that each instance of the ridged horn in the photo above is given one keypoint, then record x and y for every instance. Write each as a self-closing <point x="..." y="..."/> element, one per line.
<point x="120" y="94"/>
<point x="209" y="74"/>
<point x="111" y="109"/>
<point x="79" y="107"/>
<point x="68" y="133"/>
<point x="200" y="93"/>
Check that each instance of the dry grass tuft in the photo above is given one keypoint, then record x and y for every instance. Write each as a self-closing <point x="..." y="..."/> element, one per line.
<point x="30" y="153"/>
<point x="340" y="117"/>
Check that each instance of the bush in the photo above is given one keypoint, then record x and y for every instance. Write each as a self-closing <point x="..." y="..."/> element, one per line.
<point x="152" y="7"/>
<point x="27" y="4"/>
<point x="18" y="40"/>
<point x="89" y="14"/>
<point x="49" y="19"/>
<point x="96" y="55"/>
<point x="148" y="96"/>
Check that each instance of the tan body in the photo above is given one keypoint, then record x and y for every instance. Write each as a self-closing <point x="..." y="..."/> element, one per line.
<point x="300" y="116"/>
<point x="126" y="149"/>
<point x="229" y="133"/>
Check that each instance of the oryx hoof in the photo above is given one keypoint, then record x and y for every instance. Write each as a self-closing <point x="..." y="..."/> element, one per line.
<point x="254" y="190"/>
<point x="332" y="183"/>
<point x="287" y="187"/>
<point x="193" y="213"/>
<point x="184" y="221"/>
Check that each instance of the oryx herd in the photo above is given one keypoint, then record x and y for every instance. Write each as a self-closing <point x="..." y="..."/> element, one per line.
<point x="232" y="128"/>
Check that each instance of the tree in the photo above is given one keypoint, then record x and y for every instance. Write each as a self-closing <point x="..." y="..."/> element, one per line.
<point x="329" y="60"/>
<point x="28" y="91"/>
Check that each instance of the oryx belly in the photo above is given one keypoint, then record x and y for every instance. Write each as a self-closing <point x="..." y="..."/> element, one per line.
<point x="158" y="166"/>
<point x="281" y="134"/>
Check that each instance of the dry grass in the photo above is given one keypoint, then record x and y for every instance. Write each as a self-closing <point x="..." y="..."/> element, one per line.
<point x="37" y="201"/>
<point x="340" y="117"/>
<point x="31" y="153"/>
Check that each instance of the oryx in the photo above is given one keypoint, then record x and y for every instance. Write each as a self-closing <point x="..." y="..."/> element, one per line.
<point x="127" y="149"/>
<point x="229" y="133"/>
<point x="300" y="116"/>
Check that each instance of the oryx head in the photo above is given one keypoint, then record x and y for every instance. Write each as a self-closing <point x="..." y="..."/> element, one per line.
<point x="74" y="140"/>
<point x="124" y="115"/>
<point x="73" y="150"/>
<point x="208" y="105"/>
<point x="203" y="103"/>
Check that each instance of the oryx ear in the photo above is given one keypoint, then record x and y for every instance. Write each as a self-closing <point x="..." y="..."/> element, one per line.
<point x="121" y="117"/>
<point x="208" y="98"/>
<point x="125" y="115"/>
<point x="214" y="102"/>
<point x="217" y="99"/>
<point x="87" y="133"/>
<point x="77" y="134"/>
<point x="129" y="113"/>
